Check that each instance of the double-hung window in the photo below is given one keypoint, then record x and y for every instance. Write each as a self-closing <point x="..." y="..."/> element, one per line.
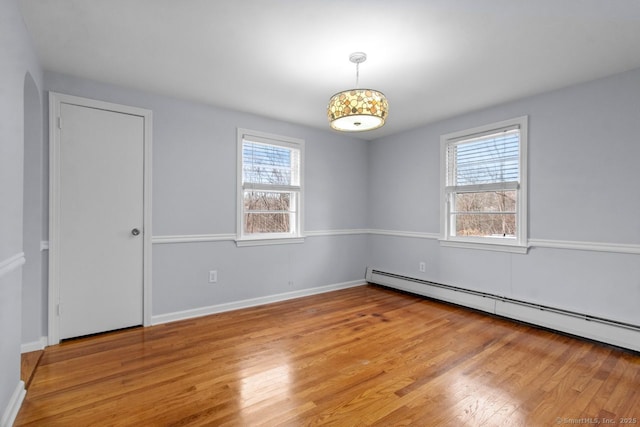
<point x="270" y="189"/>
<point x="484" y="198"/>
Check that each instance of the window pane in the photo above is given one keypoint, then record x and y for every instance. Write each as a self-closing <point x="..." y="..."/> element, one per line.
<point x="480" y="221"/>
<point x="485" y="225"/>
<point x="270" y="164"/>
<point x="489" y="159"/>
<point x="490" y="201"/>
<point x="267" y="201"/>
<point x="269" y="211"/>
<point x="267" y="222"/>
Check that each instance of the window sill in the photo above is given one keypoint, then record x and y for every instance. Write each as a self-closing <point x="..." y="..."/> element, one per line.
<point x="261" y="241"/>
<point x="498" y="247"/>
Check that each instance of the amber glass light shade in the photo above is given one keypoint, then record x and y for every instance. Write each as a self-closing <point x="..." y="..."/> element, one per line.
<point x="357" y="110"/>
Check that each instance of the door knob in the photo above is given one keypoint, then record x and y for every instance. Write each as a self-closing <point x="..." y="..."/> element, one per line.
<point x="135" y="231"/>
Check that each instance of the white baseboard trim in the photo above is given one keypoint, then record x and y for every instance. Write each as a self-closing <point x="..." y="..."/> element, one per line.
<point x="34" y="345"/>
<point x="11" y="411"/>
<point x="583" y="325"/>
<point x="11" y="263"/>
<point x="575" y="325"/>
<point x="237" y="305"/>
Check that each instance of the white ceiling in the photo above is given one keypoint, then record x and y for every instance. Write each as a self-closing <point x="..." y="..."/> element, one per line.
<point x="284" y="58"/>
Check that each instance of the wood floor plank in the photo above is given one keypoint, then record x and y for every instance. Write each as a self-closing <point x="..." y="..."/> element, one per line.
<point x="28" y="364"/>
<point x="361" y="356"/>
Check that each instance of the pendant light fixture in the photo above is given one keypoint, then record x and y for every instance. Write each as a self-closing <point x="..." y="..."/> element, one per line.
<point x="357" y="110"/>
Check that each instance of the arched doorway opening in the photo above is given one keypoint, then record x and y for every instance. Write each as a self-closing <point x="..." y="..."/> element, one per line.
<point x="34" y="221"/>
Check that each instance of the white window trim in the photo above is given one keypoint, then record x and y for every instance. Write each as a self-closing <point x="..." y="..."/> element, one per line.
<point x="520" y="245"/>
<point x="261" y="239"/>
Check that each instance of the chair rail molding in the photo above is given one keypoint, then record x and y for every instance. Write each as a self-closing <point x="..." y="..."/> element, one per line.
<point x="622" y="248"/>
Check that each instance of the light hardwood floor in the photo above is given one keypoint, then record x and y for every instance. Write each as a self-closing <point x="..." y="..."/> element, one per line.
<point x="361" y="356"/>
<point x="28" y="363"/>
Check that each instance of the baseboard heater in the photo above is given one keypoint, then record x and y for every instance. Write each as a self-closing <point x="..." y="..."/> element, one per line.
<point x="600" y="329"/>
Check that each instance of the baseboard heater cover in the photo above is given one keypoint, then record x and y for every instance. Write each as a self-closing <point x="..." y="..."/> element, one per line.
<point x="600" y="329"/>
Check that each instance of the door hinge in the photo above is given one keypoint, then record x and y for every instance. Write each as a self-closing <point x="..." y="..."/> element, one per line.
<point x="59" y="122"/>
<point x="59" y="309"/>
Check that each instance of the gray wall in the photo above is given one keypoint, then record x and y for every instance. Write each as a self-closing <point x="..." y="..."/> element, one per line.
<point x="583" y="189"/>
<point x="16" y="60"/>
<point x="194" y="193"/>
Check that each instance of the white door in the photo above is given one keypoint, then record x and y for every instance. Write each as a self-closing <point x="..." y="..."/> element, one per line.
<point x="100" y="220"/>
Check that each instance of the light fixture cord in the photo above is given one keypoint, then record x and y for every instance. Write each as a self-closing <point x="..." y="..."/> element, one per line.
<point x="357" y="75"/>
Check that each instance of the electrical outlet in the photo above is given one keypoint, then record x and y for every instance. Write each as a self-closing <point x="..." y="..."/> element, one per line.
<point x="423" y="266"/>
<point x="213" y="276"/>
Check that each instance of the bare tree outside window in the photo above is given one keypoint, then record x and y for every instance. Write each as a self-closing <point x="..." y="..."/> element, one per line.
<point x="268" y="173"/>
<point x="267" y="212"/>
<point x="480" y="219"/>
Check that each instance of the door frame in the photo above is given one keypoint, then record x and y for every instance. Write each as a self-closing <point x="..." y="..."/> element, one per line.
<point x="55" y="102"/>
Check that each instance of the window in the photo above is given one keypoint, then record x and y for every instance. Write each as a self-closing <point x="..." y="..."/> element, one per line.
<point x="270" y="188"/>
<point x="484" y="195"/>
